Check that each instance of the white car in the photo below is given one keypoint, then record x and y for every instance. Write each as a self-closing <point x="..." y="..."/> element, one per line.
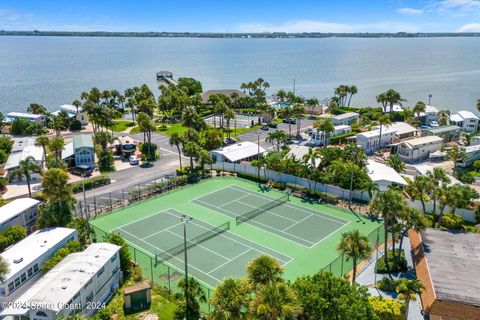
<point x="133" y="160"/>
<point x="434" y="124"/>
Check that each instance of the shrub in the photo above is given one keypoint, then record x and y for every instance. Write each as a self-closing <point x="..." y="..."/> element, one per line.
<point x="105" y="160"/>
<point x="90" y="183"/>
<point x="75" y="125"/>
<point x="72" y="246"/>
<point x="6" y="143"/>
<point x="452" y="221"/>
<point x="3" y="183"/>
<point x="393" y="265"/>
<point x="388" y="284"/>
<point x="341" y="138"/>
<point x="466" y="178"/>
<point x="149" y="153"/>
<point x="386" y="308"/>
<point x="11" y="235"/>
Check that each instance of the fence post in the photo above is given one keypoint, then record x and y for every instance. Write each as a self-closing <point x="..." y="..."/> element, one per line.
<point x="111" y="205"/>
<point x="151" y="268"/>
<point x="95" y="204"/>
<point x="169" y="279"/>
<point x="341" y="268"/>
<point x="123" y="197"/>
<point x="134" y="254"/>
<point x="139" y="192"/>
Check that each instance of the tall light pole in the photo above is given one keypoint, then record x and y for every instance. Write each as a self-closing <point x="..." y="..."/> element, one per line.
<point x="258" y="156"/>
<point x="84" y="196"/>
<point x="185" y="219"/>
<point x="429" y="98"/>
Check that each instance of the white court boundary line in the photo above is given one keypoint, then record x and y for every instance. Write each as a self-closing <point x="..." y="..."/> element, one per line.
<point x="294" y="206"/>
<point x="243" y="244"/>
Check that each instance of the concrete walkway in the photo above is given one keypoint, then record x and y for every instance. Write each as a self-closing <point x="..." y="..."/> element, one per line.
<point x="367" y="278"/>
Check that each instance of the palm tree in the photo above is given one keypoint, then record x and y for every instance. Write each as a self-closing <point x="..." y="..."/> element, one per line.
<point x="176" y="139"/>
<point x="357" y="158"/>
<point x="146" y="125"/>
<point x="230" y="300"/>
<point x="229" y="115"/>
<point x="411" y="219"/>
<point x="456" y="154"/>
<point x="276" y="138"/>
<point x="56" y="145"/>
<point x="478" y="105"/>
<point x="312" y="103"/>
<point x="3" y="269"/>
<point x="443" y="116"/>
<point x="419" y="188"/>
<point x="42" y="141"/>
<point x="26" y="167"/>
<point x="298" y="111"/>
<point x="389" y="205"/>
<point x="286" y="114"/>
<point x="326" y="126"/>
<point x="396" y="163"/>
<point x="194" y="297"/>
<point x="407" y="291"/>
<point x="263" y="270"/>
<point x="438" y="178"/>
<point x="36" y="108"/>
<point x="275" y="301"/>
<point x="352" y="90"/>
<point x="354" y="245"/>
<point x="384" y="119"/>
<point x="390" y="98"/>
<point x="419" y="108"/>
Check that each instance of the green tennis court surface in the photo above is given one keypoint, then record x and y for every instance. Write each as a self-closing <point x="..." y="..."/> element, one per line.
<point x="302" y="225"/>
<point x="251" y="221"/>
<point x="212" y="260"/>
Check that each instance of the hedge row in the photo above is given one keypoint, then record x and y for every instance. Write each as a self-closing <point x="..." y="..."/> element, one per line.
<point x="90" y="183"/>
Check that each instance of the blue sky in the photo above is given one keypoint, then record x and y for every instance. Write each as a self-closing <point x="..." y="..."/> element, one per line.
<point x="242" y="16"/>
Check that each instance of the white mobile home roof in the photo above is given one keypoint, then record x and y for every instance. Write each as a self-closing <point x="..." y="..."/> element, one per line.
<point x="381" y="172"/>
<point x="24" y="115"/>
<point x="240" y="151"/>
<point x="467" y="115"/>
<point x="345" y="116"/>
<point x="400" y="127"/>
<point x="63" y="281"/>
<point x="456" y="117"/>
<point x="29" y="151"/>
<point x="13" y="208"/>
<point x="376" y="133"/>
<point x="430" y="109"/>
<point x="423" y="140"/>
<point x="32" y="247"/>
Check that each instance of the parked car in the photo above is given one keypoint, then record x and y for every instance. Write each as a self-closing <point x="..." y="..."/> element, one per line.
<point x="133" y="159"/>
<point x="264" y="127"/>
<point x="434" y="124"/>
<point x="273" y="125"/>
<point x="229" y="141"/>
<point x="290" y="120"/>
<point x="82" y="170"/>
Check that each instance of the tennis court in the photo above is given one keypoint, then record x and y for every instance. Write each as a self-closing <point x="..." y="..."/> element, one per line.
<point x="213" y="252"/>
<point x="275" y="215"/>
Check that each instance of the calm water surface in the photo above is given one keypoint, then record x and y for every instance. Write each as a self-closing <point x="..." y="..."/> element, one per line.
<point x="55" y="70"/>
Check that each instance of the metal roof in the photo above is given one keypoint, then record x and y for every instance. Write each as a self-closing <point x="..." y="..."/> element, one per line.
<point x="82" y="141"/>
<point x="11" y="209"/>
<point x="239" y="151"/>
<point x="454" y="264"/>
<point x="442" y="129"/>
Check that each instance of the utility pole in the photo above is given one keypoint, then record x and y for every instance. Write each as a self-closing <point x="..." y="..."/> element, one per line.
<point x="84" y="196"/>
<point x="429" y="99"/>
<point x="258" y="156"/>
<point x="186" y="219"/>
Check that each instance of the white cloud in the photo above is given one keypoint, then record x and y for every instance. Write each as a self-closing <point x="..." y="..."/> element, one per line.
<point x="470" y="27"/>
<point x="457" y="7"/>
<point x="298" y="26"/>
<point x="410" y="11"/>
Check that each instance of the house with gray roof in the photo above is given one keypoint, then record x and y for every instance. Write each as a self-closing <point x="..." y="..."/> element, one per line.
<point x="80" y="151"/>
<point x="447" y="133"/>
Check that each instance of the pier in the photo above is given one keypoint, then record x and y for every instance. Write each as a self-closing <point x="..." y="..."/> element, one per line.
<point x="166" y="76"/>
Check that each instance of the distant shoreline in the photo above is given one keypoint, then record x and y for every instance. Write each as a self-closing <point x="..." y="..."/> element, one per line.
<point x="213" y="35"/>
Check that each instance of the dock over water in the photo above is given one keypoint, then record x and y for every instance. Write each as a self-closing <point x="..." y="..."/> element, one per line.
<point x="166" y="76"/>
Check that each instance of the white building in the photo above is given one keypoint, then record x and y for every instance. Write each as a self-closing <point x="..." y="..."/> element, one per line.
<point x="430" y="114"/>
<point x="472" y="154"/>
<point x="318" y="137"/>
<point x="238" y="152"/>
<point x="22" y="212"/>
<point x="81" y="115"/>
<point x="369" y="141"/>
<point x="418" y="149"/>
<point x="402" y="130"/>
<point x="38" y="118"/>
<point x="396" y="108"/>
<point x="466" y="120"/>
<point x="345" y="118"/>
<point x="81" y="282"/>
<point x="14" y="159"/>
<point x="384" y="176"/>
<point x="26" y="258"/>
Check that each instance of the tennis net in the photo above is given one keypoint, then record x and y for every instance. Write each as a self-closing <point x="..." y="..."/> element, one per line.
<point x="170" y="253"/>
<point x="257" y="211"/>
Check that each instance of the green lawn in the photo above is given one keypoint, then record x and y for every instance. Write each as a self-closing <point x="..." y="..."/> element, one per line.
<point x="122" y="125"/>
<point x="170" y="129"/>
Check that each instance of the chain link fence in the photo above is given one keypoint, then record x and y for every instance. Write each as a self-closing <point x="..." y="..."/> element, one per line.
<point x="109" y="201"/>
